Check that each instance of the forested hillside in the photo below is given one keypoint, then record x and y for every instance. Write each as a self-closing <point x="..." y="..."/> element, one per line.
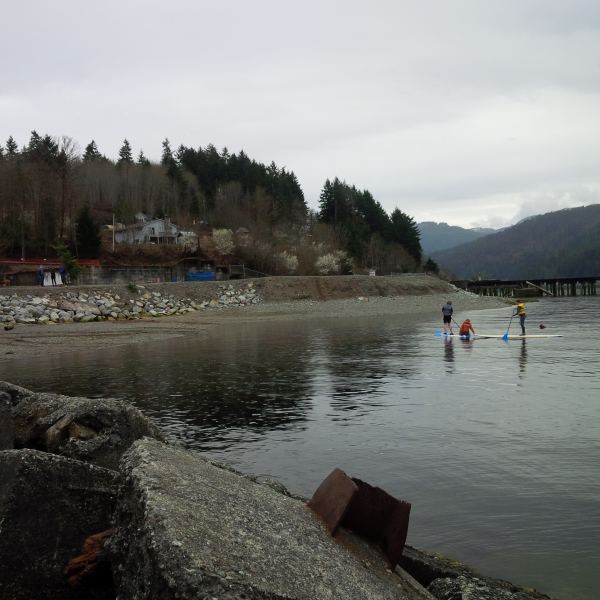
<point x="369" y="234"/>
<point x="565" y="243"/>
<point x="440" y="236"/>
<point x="53" y="193"/>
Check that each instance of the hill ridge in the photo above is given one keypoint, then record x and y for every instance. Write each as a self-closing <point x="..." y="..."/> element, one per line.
<point x="564" y="243"/>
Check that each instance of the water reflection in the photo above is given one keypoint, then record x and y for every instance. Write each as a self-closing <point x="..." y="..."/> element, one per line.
<point x="358" y="367"/>
<point x="522" y="358"/>
<point x="449" y="355"/>
<point x="483" y="465"/>
<point x="467" y="344"/>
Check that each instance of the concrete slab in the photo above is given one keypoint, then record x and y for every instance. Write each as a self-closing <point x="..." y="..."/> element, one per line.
<point x="189" y="529"/>
<point x="48" y="506"/>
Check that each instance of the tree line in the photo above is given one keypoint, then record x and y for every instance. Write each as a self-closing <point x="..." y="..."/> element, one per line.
<point x="50" y="191"/>
<point x="367" y="232"/>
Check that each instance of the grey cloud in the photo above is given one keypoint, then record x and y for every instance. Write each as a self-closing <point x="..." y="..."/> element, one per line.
<point x="467" y="110"/>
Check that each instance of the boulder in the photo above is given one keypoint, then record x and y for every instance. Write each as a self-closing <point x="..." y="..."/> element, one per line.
<point x="188" y="529"/>
<point x="78" y="307"/>
<point x="49" y="505"/>
<point x="473" y="588"/>
<point x="448" y="579"/>
<point x="7" y="426"/>
<point x="98" y="430"/>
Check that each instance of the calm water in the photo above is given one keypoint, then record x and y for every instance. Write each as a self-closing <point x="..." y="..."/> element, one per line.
<point x="497" y="445"/>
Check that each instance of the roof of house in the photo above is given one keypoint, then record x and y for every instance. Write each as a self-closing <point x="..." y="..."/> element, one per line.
<point x="143" y="224"/>
<point x="47" y="262"/>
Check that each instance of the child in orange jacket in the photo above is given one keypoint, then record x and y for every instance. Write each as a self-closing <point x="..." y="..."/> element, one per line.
<point x="466" y="329"/>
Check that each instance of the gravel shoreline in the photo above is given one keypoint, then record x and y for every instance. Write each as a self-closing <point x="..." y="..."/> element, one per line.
<point x="31" y="341"/>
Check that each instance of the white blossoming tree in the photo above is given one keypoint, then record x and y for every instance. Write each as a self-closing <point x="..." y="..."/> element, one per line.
<point x="223" y="240"/>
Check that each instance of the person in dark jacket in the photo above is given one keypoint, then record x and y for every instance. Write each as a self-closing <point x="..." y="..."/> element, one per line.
<point x="39" y="275"/>
<point x="447" y="311"/>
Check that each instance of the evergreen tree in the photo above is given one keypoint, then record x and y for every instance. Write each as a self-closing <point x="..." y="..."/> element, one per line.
<point x="142" y="160"/>
<point x="88" y="234"/>
<point x="171" y="163"/>
<point x="67" y="259"/>
<point x="334" y="204"/>
<point x="431" y="266"/>
<point x="406" y="232"/>
<point x="91" y="152"/>
<point x="1" y="152"/>
<point x="167" y="154"/>
<point x="34" y="143"/>
<point x="11" y="147"/>
<point x="125" y="154"/>
<point x="180" y="154"/>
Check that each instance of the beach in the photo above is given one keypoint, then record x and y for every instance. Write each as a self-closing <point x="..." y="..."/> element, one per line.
<point x="281" y="299"/>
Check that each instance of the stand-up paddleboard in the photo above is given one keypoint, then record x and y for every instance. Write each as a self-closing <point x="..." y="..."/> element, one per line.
<point x="477" y="336"/>
<point x="526" y="336"/>
<point x="484" y="336"/>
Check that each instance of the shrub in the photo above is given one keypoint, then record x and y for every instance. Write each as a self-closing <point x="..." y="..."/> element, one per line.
<point x="68" y="260"/>
<point x="287" y="262"/>
<point x="223" y="240"/>
<point x="327" y="264"/>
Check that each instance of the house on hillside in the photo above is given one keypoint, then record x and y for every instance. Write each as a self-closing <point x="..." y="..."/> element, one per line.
<point x="154" y="231"/>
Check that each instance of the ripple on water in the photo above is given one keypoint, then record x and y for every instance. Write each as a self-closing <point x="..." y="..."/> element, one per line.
<point x="495" y="444"/>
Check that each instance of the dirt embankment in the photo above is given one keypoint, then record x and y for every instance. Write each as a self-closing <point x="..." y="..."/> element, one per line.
<point x="282" y="289"/>
<point x="273" y="289"/>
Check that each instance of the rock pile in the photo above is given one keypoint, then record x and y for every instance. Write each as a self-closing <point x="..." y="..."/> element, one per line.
<point x="59" y="460"/>
<point x="83" y="307"/>
<point x="230" y="296"/>
<point x="94" y="504"/>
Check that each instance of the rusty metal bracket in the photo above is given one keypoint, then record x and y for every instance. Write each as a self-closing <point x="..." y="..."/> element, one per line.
<point x="366" y="510"/>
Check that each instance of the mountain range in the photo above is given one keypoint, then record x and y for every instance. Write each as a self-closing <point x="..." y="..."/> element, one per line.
<point x="565" y="243"/>
<point x="439" y="236"/>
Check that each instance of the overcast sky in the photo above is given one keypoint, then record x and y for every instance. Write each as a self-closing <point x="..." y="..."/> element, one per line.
<point x="472" y="112"/>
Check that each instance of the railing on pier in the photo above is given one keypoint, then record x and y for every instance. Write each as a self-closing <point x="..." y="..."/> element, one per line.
<point x="552" y="286"/>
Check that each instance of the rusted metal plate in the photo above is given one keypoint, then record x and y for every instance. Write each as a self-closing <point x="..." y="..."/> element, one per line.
<point x="379" y="517"/>
<point x="332" y="498"/>
<point x="366" y="510"/>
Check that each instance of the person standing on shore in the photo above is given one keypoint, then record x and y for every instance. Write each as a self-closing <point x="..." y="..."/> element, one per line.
<point x="447" y="311"/>
<point x="521" y="313"/>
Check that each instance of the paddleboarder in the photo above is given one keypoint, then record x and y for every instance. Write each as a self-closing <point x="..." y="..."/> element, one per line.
<point x="447" y="311"/>
<point x="521" y="313"/>
<point x="466" y="329"/>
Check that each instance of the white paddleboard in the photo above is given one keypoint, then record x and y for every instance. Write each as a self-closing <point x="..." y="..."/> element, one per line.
<point x="499" y="337"/>
<point x="526" y="336"/>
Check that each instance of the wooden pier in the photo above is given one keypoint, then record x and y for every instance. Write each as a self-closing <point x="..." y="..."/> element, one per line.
<point x="551" y="286"/>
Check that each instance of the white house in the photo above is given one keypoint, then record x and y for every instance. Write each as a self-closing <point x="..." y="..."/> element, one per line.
<point x="152" y="231"/>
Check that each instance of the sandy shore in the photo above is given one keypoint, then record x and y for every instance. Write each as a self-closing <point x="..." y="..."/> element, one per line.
<point x="26" y="342"/>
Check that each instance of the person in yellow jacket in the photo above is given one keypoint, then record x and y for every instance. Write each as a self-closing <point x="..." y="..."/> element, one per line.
<point x="521" y="313"/>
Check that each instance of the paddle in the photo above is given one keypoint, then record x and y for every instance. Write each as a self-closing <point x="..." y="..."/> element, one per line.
<point x="505" y="336"/>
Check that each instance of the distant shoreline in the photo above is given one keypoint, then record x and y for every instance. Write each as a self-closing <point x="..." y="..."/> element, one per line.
<point x="351" y="297"/>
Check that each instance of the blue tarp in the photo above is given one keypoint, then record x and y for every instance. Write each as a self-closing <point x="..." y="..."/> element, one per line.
<point x="200" y="276"/>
